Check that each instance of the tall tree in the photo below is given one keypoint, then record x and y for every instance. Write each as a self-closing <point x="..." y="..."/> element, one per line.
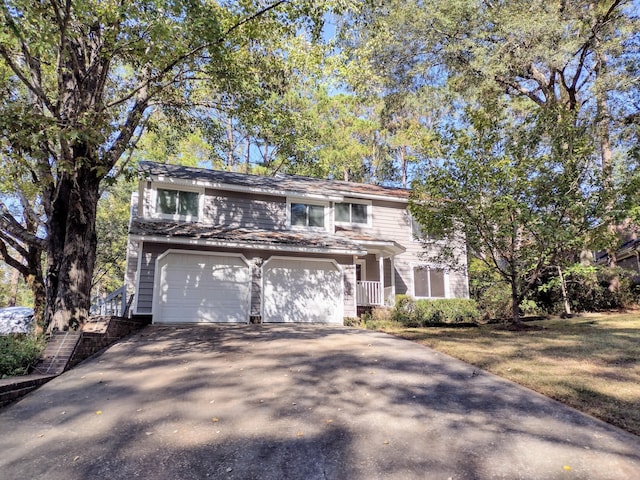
<point x="78" y="82"/>
<point x="579" y="57"/>
<point x="518" y="189"/>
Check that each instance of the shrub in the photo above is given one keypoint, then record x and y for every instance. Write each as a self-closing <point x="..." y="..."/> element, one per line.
<point x="19" y="354"/>
<point x="422" y="313"/>
<point x="378" y="319"/>
<point x="352" y="322"/>
<point x="589" y="289"/>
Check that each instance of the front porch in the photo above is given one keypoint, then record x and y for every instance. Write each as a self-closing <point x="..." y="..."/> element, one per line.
<point x="370" y="293"/>
<point x="375" y="281"/>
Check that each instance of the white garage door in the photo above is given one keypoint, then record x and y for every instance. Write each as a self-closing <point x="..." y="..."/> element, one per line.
<point x="196" y="287"/>
<point x="302" y="290"/>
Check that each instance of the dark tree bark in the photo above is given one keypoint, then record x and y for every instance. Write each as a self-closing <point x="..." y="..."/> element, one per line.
<point x="72" y="249"/>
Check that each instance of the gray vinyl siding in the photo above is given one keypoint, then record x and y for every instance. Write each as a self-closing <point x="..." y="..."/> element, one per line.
<point x="235" y="209"/>
<point x="151" y="251"/>
<point x="239" y="209"/>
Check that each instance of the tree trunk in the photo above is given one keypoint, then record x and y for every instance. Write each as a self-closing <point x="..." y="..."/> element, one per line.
<point x="231" y="144"/>
<point x="248" y="157"/>
<point x="72" y="247"/>
<point x="515" y="303"/>
<point x="565" y="299"/>
<point x="403" y="166"/>
<point x="38" y="289"/>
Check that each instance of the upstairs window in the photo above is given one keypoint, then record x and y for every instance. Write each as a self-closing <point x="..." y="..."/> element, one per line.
<point x="418" y="234"/>
<point x="177" y="203"/>
<point x="428" y="282"/>
<point x="307" y="215"/>
<point x="357" y="213"/>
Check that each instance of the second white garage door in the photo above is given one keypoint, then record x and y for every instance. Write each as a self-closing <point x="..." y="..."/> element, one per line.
<point x="302" y="290"/>
<point x="201" y="288"/>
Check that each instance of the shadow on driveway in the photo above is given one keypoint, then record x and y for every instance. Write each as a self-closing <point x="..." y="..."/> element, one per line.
<point x="297" y="402"/>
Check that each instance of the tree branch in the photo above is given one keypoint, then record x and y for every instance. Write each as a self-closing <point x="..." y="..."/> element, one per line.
<point x="520" y="89"/>
<point x="12" y="262"/>
<point x="10" y="225"/>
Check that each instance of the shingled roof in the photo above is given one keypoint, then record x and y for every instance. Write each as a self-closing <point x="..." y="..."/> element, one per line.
<point x="247" y="237"/>
<point x="283" y="184"/>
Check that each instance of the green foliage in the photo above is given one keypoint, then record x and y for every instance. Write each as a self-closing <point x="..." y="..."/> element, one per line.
<point x="379" y="318"/>
<point x="590" y="289"/>
<point x="508" y="184"/>
<point x="112" y="223"/>
<point x="423" y="313"/>
<point x="12" y="285"/>
<point x="19" y="354"/>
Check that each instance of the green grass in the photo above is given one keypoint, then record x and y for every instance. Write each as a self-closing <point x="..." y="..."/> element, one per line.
<point x="591" y="363"/>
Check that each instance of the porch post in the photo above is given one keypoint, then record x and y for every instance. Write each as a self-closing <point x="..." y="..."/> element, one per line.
<point x="381" y="269"/>
<point x="392" y="265"/>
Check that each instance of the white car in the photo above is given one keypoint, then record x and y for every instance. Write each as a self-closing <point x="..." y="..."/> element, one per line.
<point x="15" y="320"/>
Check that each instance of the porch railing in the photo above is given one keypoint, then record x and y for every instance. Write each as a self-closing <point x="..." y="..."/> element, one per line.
<point x="114" y="304"/>
<point x="369" y="293"/>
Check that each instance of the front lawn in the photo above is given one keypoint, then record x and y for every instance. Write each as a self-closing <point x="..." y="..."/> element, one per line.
<point x="591" y="363"/>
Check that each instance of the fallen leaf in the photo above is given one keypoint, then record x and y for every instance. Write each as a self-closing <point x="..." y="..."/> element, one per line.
<point x="215" y="419"/>
<point x="329" y="420"/>
<point x="566" y="468"/>
<point x="299" y="434"/>
<point x="99" y="412"/>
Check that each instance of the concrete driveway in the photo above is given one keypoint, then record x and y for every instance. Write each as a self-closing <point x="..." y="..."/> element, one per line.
<point x="297" y="402"/>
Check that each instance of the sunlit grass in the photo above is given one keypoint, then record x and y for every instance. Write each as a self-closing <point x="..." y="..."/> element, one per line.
<point x="591" y="363"/>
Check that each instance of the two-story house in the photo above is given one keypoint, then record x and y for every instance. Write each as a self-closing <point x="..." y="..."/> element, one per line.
<point x="211" y="246"/>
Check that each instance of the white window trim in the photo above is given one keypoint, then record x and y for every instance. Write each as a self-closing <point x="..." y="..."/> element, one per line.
<point x="327" y="214"/>
<point x="153" y="200"/>
<point x="369" y="205"/>
<point x="447" y="292"/>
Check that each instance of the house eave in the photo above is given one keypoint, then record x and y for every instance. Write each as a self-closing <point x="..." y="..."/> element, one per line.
<point x="208" y="242"/>
<point x="390" y="247"/>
